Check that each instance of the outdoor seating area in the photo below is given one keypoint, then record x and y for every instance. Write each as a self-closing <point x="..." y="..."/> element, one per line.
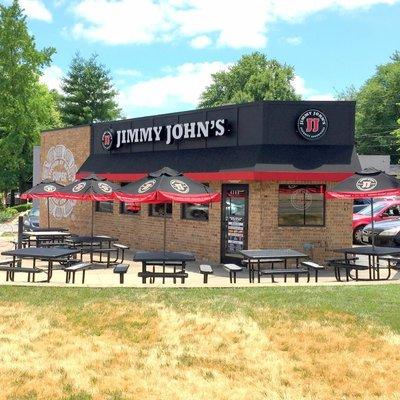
<point x="75" y="262"/>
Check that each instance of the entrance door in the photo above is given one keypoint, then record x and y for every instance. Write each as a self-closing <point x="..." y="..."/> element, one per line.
<point x="234" y="221"/>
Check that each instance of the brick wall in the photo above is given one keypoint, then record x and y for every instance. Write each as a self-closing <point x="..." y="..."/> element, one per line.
<point x="62" y="152"/>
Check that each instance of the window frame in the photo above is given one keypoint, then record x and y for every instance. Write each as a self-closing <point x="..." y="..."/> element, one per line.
<point x="97" y="207"/>
<point x="159" y="216"/>
<point x="304" y="225"/>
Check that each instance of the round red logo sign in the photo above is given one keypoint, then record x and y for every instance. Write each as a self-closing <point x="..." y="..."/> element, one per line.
<point x="312" y="124"/>
<point x="107" y="140"/>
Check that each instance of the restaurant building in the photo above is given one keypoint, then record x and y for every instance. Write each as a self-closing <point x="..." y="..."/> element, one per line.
<point x="272" y="162"/>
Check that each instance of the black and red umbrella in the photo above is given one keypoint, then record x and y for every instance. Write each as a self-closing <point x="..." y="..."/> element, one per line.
<point x="92" y="188"/>
<point x="43" y="190"/>
<point x="167" y="186"/>
<point x="370" y="183"/>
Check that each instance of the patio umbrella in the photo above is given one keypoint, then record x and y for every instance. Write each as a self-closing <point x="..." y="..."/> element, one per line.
<point x="43" y="190"/>
<point x="166" y="186"/>
<point x="370" y="183"/>
<point x="91" y="188"/>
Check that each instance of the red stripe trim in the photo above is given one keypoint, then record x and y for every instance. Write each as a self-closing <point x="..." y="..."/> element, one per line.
<point x="236" y="175"/>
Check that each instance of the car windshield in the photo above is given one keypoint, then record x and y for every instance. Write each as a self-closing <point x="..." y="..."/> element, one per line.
<point x="377" y="207"/>
<point x="34" y="212"/>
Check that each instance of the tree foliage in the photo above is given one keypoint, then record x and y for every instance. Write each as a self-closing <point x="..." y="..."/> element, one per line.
<point x="89" y="94"/>
<point x="378" y="110"/>
<point x="252" y="78"/>
<point x="26" y="105"/>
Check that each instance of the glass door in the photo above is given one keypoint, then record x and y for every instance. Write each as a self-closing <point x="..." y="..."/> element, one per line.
<point x="234" y="221"/>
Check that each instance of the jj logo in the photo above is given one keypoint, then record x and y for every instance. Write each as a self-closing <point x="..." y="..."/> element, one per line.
<point x="312" y="125"/>
<point x="179" y="186"/>
<point x="366" y="184"/>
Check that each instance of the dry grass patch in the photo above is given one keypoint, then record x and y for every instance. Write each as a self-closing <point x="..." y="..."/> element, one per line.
<point x="126" y="350"/>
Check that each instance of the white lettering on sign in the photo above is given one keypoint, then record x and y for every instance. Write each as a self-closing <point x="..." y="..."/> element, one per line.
<point x="171" y="133"/>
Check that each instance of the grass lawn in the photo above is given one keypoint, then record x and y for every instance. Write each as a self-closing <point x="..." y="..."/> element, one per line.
<point x="250" y="343"/>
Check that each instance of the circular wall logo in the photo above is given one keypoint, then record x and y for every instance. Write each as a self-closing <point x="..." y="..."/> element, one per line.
<point x="147" y="186"/>
<point x="179" y="186"/>
<point x="105" y="187"/>
<point x="312" y="124"/>
<point x="78" y="187"/>
<point x="301" y="199"/>
<point x="49" y="188"/>
<point x="107" y="140"/>
<point x="60" y="166"/>
<point x="366" y="184"/>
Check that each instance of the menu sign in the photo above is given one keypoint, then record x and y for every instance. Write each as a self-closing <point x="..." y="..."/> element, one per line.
<point x="235" y="218"/>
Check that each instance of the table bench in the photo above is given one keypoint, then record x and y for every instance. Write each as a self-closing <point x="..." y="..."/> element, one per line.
<point x="153" y="275"/>
<point x="121" y="269"/>
<point x="74" y="268"/>
<point x="348" y="267"/>
<point x="287" y="271"/>
<point x="10" y="271"/>
<point x="312" y="266"/>
<point x="205" y="270"/>
<point x="232" y="269"/>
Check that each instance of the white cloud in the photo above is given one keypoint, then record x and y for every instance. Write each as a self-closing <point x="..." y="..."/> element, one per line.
<point x="235" y="24"/>
<point x="52" y="77"/>
<point x="308" y="93"/>
<point x="200" y="42"/>
<point x="182" y="85"/>
<point x="35" y="9"/>
<point x="294" y="40"/>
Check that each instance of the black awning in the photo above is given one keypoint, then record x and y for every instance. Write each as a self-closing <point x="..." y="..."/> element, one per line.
<point x="257" y="158"/>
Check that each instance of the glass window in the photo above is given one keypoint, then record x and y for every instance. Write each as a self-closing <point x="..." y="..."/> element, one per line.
<point x="157" y="210"/>
<point x="195" y="211"/>
<point x="130" y="208"/>
<point x="104" y="206"/>
<point x="301" y="205"/>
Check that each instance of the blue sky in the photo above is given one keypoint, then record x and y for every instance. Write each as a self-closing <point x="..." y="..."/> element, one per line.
<point x="161" y="53"/>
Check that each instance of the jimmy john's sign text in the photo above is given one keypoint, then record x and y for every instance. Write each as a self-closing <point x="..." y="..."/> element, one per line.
<point x="114" y="139"/>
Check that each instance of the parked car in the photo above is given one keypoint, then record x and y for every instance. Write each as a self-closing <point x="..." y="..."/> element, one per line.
<point x="31" y="219"/>
<point x="198" y="211"/>
<point x="359" y="204"/>
<point x="383" y="210"/>
<point x="387" y="233"/>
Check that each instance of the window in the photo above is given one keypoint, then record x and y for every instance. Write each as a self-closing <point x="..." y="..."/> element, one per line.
<point x="104" y="206"/>
<point x="195" y="211"/>
<point x="130" y="208"/>
<point x="157" y="210"/>
<point x="301" y="205"/>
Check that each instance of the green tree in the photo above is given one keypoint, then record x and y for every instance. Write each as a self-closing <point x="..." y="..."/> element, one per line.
<point x="252" y="78"/>
<point x="26" y="105"/>
<point x="349" y="94"/>
<point x="378" y="110"/>
<point x="89" y="94"/>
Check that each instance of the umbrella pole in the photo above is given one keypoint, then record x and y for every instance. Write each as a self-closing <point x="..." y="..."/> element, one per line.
<point x="165" y="226"/>
<point x="372" y="223"/>
<point x="92" y="219"/>
<point x="48" y="213"/>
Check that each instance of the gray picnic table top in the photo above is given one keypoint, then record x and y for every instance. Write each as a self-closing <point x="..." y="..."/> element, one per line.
<point x="39" y="234"/>
<point x="369" y="250"/>
<point x="160" y="256"/>
<point x="265" y="254"/>
<point x="44" y="253"/>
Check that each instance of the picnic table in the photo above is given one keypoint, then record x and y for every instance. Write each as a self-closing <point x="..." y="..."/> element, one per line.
<point x="256" y="257"/>
<point x="97" y="244"/>
<point x="175" y="259"/>
<point x="39" y="237"/>
<point x="373" y="253"/>
<point x="49" y="254"/>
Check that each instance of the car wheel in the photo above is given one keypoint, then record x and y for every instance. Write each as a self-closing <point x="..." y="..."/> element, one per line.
<point x="357" y="235"/>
